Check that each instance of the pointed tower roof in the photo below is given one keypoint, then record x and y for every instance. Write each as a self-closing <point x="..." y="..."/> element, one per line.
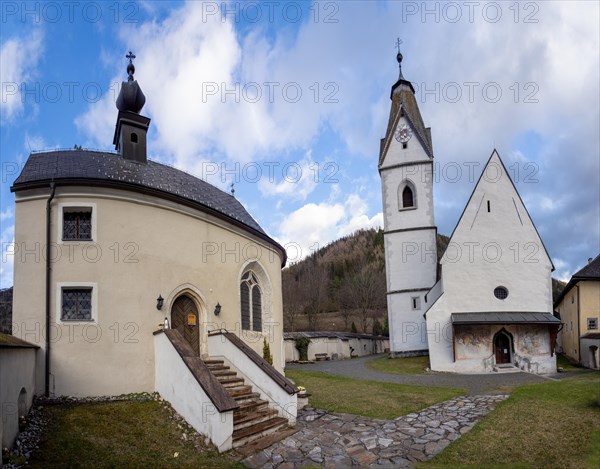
<point x="404" y="103"/>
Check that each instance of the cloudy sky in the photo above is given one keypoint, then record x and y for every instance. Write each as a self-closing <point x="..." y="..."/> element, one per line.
<point x="288" y="101"/>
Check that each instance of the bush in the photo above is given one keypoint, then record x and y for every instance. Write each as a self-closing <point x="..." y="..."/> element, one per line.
<point x="302" y="347"/>
<point x="267" y="352"/>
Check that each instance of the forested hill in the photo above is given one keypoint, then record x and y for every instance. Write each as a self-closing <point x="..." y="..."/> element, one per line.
<point x="343" y="284"/>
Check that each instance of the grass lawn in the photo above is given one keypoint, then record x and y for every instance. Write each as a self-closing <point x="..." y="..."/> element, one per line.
<point x="554" y="424"/>
<point x="369" y="398"/>
<point x="566" y="365"/>
<point x="121" y="434"/>
<point x="400" y="366"/>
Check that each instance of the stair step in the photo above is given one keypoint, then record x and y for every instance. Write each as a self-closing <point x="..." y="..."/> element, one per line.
<point x="213" y="362"/>
<point x="246" y="435"/>
<point x="250" y="406"/>
<point x="223" y="373"/>
<point x="239" y="390"/>
<point x="252" y="418"/>
<point x="229" y="383"/>
<point x="247" y="397"/>
<point x="218" y="367"/>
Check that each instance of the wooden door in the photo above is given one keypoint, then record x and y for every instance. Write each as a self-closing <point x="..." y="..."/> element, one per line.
<point x="184" y="318"/>
<point x="502" y="345"/>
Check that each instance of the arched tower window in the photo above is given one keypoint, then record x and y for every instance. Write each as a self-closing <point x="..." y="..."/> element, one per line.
<point x="251" y="302"/>
<point x="406" y="196"/>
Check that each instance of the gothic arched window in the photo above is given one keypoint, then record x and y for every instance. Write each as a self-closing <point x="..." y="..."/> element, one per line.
<point x="251" y="302"/>
<point x="406" y="196"/>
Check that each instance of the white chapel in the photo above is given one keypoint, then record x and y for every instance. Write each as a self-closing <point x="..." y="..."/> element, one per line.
<point x="487" y="304"/>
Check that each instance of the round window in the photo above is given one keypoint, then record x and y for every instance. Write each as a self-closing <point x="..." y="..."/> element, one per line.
<point x="501" y="293"/>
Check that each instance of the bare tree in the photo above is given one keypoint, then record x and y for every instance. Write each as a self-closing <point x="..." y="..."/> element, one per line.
<point x="315" y="289"/>
<point x="293" y="304"/>
<point x="367" y="290"/>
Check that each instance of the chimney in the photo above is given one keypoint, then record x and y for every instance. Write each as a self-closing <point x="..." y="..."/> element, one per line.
<point x="590" y="260"/>
<point x="131" y="128"/>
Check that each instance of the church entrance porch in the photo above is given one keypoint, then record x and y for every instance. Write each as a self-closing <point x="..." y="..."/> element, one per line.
<point x="185" y="319"/>
<point x="502" y="347"/>
<point x="486" y="342"/>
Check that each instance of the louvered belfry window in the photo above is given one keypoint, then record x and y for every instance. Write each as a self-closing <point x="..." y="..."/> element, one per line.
<point x="76" y="304"/>
<point x="77" y="225"/>
<point x="251" y="302"/>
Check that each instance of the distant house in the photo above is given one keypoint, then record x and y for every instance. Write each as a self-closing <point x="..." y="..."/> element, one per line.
<point x="579" y="309"/>
<point x="135" y="246"/>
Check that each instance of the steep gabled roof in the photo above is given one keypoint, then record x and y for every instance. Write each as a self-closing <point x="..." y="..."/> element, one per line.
<point x="83" y="167"/>
<point x="494" y="152"/>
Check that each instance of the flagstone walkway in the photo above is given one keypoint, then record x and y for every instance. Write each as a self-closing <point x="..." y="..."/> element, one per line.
<point x="345" y="440"/>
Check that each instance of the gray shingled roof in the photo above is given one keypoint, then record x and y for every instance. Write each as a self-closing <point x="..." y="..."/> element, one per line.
<point x="504" y="318"/>
<point x="101" y="167"/>
<point x="331" y="335"/>
<point x="591" y="271"/>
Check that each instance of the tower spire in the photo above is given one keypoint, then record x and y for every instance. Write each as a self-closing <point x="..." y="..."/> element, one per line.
<point x="399" y="58"/>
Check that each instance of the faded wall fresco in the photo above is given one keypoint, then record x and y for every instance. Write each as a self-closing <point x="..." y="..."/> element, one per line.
<point x="533" y="340"/>
<point x="473" y="342"/>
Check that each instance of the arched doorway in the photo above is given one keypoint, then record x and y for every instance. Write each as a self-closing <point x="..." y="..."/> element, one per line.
<point x="502" y="347"/>
<point x="186" y="320"/>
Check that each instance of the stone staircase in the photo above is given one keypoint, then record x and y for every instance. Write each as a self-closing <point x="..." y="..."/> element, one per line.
<point x="253" y="419"/>
<point x="506" y="368"/>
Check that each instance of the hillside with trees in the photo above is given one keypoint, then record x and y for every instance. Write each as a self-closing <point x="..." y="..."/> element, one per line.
<point x="342" y="287"/>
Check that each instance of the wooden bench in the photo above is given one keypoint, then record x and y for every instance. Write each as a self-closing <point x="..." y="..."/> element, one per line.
<point x="321" y="357"/>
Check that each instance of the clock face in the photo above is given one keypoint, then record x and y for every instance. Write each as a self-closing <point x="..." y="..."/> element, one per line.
<point x="403" y="134"/>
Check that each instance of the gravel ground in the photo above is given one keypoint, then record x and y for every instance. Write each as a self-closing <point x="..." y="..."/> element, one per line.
<point x="476" y="384"/>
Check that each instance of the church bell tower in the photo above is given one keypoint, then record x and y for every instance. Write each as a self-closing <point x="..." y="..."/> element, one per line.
<point x="406" y="171"/>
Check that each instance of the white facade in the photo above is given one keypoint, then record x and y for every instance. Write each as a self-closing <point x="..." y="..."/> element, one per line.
<point x="410" y="232"/>
<point x="494" y="245"/>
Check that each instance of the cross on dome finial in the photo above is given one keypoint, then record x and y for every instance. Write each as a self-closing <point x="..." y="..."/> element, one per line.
<point x="130" y="67"/>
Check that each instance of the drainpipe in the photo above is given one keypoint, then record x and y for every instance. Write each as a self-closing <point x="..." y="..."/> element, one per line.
<point x="48" y="271"/>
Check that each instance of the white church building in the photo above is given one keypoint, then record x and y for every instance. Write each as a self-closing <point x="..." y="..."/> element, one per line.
<point x="487" y="305"/>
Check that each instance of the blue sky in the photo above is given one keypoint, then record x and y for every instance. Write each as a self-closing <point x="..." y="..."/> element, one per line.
<point x="289" y="101"/>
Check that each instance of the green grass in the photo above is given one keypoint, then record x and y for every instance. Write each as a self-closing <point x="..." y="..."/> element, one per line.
<point x="368" y="398"/>
<point x="565" y="364"/>
<point x="400" y="366"/>
<point x="121" y="434"/>
<point x="554" y="424"/>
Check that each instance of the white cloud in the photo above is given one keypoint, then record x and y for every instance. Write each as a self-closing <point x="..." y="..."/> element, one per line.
<point x="18" y="64"/>
<point x="6" y="214"/>
<point x="7" y="241"/>
<point x="312" y="226"/>
<point x="299" y="179"/>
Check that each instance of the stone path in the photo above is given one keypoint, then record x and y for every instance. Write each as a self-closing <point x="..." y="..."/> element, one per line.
<point x="344" y="440"/>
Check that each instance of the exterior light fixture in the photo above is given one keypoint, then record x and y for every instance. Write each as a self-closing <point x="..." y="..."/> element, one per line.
<point x="159" y="302"/>
<point x="217" y="309"/>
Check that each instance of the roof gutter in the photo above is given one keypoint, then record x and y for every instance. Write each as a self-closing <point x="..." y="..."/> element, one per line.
<point x="48" y="273"/>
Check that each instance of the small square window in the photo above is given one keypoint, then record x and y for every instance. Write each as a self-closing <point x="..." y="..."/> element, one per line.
<point x="415" y="302"/>
<point x="592" y="323"/>
<point x="76" y="304"/>
<point x="77" y="224"/>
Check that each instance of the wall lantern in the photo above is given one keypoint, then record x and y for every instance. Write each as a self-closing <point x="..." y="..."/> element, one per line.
<point x="217" y="309"/>
<point x="159" y="302"/>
